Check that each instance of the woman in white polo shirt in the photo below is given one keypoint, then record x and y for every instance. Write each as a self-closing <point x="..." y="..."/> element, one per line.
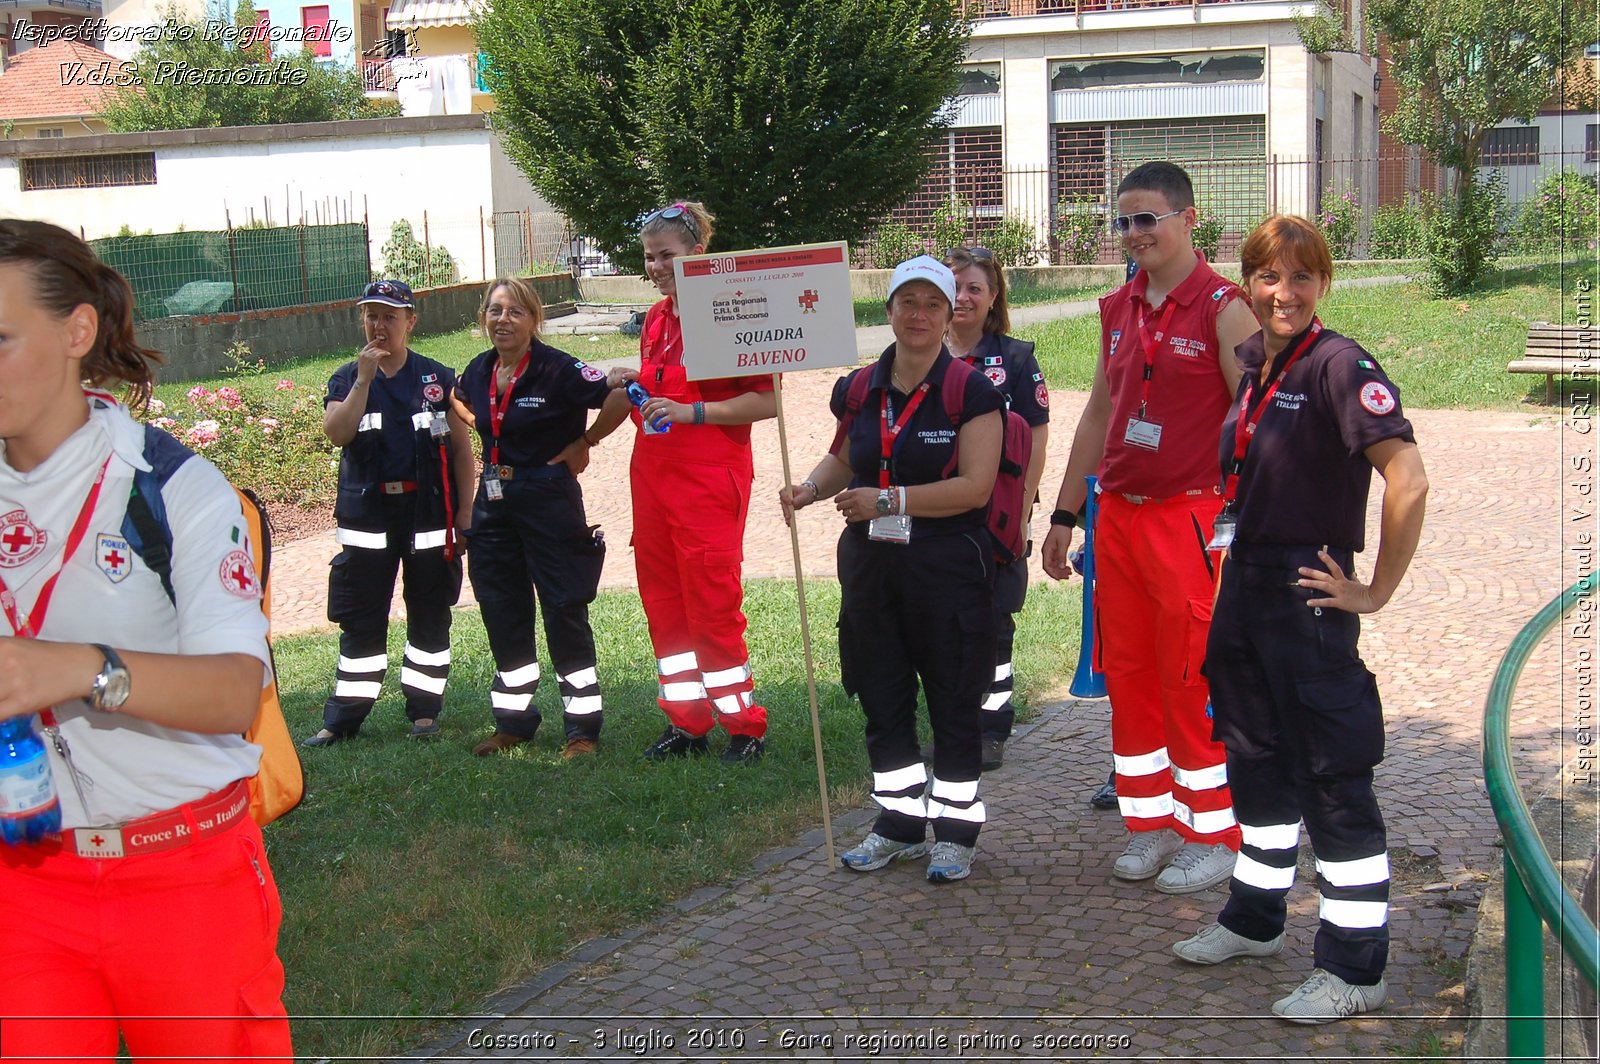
<point x="153" y="915"/>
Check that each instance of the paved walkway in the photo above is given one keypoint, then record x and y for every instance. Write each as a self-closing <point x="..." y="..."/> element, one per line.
<point x="1041" y="952"/>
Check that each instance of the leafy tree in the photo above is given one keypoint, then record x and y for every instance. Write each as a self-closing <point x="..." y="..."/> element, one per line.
<point x="794" y="120"/>
<point x="202" y="73"/>
<point x="1462" y="67"/>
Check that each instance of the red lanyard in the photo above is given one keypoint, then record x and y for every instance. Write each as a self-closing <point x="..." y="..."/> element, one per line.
<point x="1151" y="345"/>
<point x="889" y="429"/>
<point x="497" y="411"/>
<point x="28" y="629"/>
<point x="1244" y="430"/>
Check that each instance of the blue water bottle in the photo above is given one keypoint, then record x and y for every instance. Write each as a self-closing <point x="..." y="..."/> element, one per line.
<point x="637" y="396"/>
<point x="29" y="808"/>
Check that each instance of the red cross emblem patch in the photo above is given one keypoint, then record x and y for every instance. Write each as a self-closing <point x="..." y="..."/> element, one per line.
<point x="238" y="575"/>
<point x="20" y="540"/>
<point x="808" y="301"/>
<point x="112" y="556"/>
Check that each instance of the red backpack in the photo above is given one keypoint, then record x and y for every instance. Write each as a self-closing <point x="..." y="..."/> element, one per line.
<point x="1006" y="516"/>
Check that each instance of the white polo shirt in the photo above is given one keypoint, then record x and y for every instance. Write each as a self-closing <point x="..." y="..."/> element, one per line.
<point x="123" y="768"/>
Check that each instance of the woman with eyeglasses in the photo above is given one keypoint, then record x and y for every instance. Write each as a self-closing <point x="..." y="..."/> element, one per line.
<point x="152" y="917"/>
<point x="912" y="465"/>
<point x="979" y="334"/>
<point x="691" y="477"/>
<point x="529" y="530"/>
<point x="1296" y="708"/>
<point x="405" y="475"/>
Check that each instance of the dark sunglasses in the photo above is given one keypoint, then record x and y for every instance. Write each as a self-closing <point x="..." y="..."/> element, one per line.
<point x="975" y="254"/>
<point x="679" y="211"/>
<point x="1143" y="222"/>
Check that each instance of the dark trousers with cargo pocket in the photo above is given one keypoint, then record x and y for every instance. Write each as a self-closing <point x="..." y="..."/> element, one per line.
<point x="1301" y="720"/>
<point x="537" y="539"/>
<point x="924" y="611"/>
<point x="360" y="588"/>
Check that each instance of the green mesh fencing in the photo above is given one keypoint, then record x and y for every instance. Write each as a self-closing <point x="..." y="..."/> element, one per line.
<point x="181" y="274"/>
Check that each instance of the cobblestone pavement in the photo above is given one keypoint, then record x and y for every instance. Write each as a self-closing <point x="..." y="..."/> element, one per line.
<point x="1041" y="951"/>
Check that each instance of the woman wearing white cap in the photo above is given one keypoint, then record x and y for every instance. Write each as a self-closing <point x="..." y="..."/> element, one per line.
<point x="911" y="468"/>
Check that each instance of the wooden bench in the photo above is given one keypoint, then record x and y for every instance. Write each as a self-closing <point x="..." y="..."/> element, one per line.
<point x="1558" y="350"/>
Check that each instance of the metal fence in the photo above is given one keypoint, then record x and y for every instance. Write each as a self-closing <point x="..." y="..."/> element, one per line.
<point x="175" y="274"/>
<point x="1370" y="207"/>
<point x="531" y="242"/>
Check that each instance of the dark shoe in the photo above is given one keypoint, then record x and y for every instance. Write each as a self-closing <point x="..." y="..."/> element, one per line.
<point x="994" y="752"/>
<point x="325" y="738"/>
<point x="497" y="743"/>
<point x="426" y="728"/>
<point x="743" y="749"/>
<point x="675" y="743"/>
<point x="1106" y="797"/>
<point x="579" y="748"/>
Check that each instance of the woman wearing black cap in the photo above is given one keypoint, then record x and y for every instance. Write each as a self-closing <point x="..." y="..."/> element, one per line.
<point x="405" y="471"/>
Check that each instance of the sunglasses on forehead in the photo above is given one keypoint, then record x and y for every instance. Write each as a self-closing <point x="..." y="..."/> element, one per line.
<point x="975" y="254"/>
<point x="1143" y="222"/>
<point x="678" y="211"/>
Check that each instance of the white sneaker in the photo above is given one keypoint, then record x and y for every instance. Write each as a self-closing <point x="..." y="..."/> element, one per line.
<point x="1216" y="944"/>
<point x="1325" y="998"/>
<point x="950" y="861"/>
<point x="875" y="851"/>
<point x="1197" y="867"/>
<point x="1147" y="851"/>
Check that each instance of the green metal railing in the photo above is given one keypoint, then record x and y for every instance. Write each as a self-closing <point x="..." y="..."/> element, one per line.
<point x="1535" y="895"/>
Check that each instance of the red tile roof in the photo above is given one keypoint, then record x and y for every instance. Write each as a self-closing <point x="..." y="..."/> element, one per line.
<point x="31" y="85"/>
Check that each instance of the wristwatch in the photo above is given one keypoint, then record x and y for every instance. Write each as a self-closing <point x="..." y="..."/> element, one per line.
<point x="885" y="502"/>
<point x="113" y="685"/>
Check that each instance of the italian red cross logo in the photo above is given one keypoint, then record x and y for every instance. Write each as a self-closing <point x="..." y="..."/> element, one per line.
<point x="808" y="301"/>
<point x="238" y="575"/>
<point x="20" y="540"/>
<point x="113" y="557"/>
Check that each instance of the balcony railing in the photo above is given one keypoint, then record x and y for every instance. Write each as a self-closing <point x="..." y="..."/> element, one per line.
<point x="979" y="9"/>
<point x="378" y="75"/>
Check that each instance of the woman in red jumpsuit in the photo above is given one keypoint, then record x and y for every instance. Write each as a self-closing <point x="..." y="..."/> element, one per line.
<point x="691" y="494"/>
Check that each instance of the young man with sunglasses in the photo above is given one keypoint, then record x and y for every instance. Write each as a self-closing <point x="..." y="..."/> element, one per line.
<point x="1163" y="384"/>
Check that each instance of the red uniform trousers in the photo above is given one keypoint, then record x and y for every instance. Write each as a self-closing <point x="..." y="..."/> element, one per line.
<point x="177" y="950"/>
<point x="1153" y="594"/>
<point x="688" y="548"/>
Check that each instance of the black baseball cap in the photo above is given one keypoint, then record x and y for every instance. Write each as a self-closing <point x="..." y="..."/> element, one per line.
<point x="389" y="293"/>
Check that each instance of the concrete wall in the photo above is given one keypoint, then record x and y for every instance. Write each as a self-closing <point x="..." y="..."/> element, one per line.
<point x="448" y="172"/>
<point x="194" y="347"/>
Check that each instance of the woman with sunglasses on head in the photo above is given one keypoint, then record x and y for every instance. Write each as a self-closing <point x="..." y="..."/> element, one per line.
<point x="1296" y="707"/>
<point x="979" y="334"/>
<point x="152" y="917"/>
<point x="691" y="476"/>
<point x="405" y="474"/>
<point x="529" y="530"/>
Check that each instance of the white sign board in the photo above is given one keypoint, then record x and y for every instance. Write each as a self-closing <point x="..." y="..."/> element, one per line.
<point x="776" y="310"/>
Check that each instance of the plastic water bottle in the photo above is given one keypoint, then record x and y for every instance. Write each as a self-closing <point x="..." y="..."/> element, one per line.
<point x="29" y="808"/>
<point x="637" y="396"/>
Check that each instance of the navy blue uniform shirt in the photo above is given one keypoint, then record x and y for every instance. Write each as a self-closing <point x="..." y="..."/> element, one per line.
<point x="1306" y="475"/>
<point x="926" y="447"/>
<point x="1011" y="366"/>
<point x="547" y="404"/>
<point x="421" y="386"/>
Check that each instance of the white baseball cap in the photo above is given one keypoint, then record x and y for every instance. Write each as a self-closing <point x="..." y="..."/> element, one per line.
<point x="925" y="268"/>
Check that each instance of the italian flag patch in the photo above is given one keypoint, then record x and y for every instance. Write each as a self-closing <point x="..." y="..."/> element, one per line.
<point x="1364" y="364"/>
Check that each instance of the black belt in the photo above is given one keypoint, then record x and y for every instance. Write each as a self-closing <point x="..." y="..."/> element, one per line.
<point x="1286" y="556"/>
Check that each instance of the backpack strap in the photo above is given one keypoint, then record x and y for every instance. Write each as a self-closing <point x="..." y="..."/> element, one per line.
<point x="145" y="525"/>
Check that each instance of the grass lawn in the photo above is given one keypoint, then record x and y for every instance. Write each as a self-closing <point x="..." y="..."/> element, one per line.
<point x="1443" y="353"/>
<point x="418" y="880"/>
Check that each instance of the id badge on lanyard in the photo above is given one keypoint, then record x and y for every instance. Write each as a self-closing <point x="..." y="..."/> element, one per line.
<point x="895" y="528"/>
<point x="438" y="427"/>
<point x="1142" y="431"/>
